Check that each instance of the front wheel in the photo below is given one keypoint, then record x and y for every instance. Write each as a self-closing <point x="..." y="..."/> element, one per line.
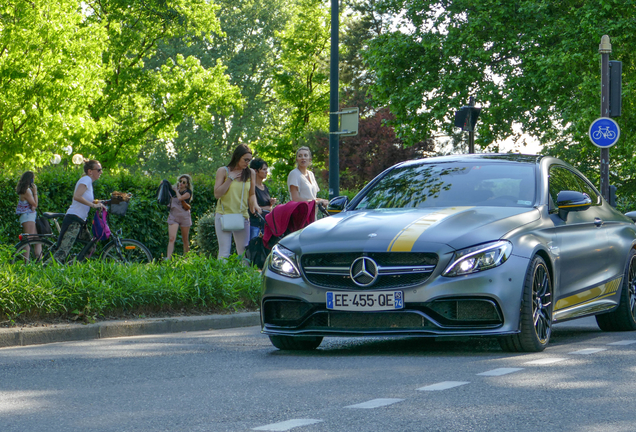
<point x="623" y="318"/>
<point x="131" y="251"/>
<point x="296" y="343"/>
<point x="32" y="251"/>
<point x="536" y="311"/>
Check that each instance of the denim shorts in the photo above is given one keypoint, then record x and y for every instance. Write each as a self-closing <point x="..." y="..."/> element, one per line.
<point x="27" y="217"/>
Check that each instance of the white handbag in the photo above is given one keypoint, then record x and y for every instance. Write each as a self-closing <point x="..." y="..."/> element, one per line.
<point x="233" y="221"/>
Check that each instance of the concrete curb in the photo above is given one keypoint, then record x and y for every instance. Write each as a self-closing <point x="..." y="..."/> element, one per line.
<point x="11" y="337"/>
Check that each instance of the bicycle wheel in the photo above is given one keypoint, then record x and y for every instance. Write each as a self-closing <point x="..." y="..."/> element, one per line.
<point x="131" y="251"/>
<point x="33" y="251"/>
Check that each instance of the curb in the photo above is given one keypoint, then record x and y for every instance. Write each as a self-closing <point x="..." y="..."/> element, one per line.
<point x="23" y="336"/>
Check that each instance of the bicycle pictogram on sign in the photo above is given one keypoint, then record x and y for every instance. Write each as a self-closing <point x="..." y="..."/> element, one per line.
<point x="604" y="132"/>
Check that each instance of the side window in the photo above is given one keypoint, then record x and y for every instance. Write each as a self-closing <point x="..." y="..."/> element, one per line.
<point x="585" y="187"/>
<point x="563" y="179"/>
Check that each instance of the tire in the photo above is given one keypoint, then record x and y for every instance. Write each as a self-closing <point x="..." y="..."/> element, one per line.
<point x="536" y="311"/>
<point x="296" y="343"/>
<point x="623" y="318"/>
<point x="20" y="257"/>
<point x="132" y="251"/>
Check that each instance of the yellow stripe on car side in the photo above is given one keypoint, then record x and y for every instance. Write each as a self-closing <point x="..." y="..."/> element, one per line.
<point x="405" y="239"/>
<point x="597" y="293"/>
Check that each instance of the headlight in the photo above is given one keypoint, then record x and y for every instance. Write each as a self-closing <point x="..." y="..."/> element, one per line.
<point x="479" y="258"/>
<point x="283" y="262"/>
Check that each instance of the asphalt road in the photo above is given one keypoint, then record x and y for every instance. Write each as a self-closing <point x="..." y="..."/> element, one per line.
<point x="234" y="380"/>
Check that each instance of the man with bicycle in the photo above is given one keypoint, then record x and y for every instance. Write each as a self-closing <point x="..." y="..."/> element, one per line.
<point x="74" y="223"/>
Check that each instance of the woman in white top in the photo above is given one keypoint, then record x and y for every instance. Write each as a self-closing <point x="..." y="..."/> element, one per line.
<point x="301" y="182"/>
<point x="83" y="201"/>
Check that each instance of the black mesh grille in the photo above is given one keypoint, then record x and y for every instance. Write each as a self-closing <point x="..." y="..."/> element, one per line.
<point x="385" y="259"/>
<point x="285" y="312"/>
<point x="345" y="260"/>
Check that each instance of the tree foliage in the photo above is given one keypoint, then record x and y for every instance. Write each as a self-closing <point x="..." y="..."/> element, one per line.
<point x="50" y="72"/>
<point x="534" y="63"/>
<point x="249" y="50"/>
<point x="73" y="73"/>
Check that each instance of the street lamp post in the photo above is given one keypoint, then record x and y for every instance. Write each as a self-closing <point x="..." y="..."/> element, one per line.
<point x="334" y="144"/>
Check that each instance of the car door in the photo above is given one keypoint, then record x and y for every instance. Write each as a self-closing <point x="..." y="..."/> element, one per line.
<point x="584" y="252"/>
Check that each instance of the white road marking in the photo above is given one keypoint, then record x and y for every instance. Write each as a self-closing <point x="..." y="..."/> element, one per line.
<point x="623" y="342"/>
<point x="443" y="385"/>
<point x="287" y="425"/>
<point x="375" y="403"/>
<point x="588" y="351"/>
<point x="500" y="371"/>
<point x="545" y="361"/>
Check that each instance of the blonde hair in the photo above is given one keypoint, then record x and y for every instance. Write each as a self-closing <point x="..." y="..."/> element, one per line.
<point x="303" y="148"/>
<point x="190" y="186"/>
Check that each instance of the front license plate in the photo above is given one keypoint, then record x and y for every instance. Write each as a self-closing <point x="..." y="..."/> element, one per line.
<point x="365" y="300"/>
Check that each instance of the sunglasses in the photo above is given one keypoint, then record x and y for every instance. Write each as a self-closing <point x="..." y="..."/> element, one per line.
<point x="98" y="170"/>
<point x="183" y="181"/>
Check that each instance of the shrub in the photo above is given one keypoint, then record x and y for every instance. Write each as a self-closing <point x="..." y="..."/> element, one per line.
<point x="97" y="289"/>
<point x="206" y="240"/>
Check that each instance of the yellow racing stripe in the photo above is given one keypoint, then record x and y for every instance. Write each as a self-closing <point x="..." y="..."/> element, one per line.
<point x="405" y="239"/>
<point x="597" y="293"/>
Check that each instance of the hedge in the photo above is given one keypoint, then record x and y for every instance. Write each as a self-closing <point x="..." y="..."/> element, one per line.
<point x="145" y="219"/>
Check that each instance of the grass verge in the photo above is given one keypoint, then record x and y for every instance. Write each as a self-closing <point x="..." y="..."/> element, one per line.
<point x="98" y="290"/>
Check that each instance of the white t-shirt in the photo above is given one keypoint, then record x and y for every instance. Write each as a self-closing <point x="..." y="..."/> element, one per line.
<point x="307" y="188"/>
<point x="77" y="208"/>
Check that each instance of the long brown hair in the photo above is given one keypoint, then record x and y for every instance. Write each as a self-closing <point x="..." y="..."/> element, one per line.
<point x="25" y="181"/>
<point x="189" y="185"/>
<point x="240" y="151"/>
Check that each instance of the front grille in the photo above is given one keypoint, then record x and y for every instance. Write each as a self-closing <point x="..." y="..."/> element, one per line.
<point x="342" y="320"/>
<point x="394" y="269"/>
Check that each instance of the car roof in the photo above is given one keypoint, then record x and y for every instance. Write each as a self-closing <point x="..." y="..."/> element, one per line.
<point x="489" y="157"/>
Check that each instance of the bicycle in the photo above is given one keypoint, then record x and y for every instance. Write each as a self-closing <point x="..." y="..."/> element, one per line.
<point x="117" y="249"/>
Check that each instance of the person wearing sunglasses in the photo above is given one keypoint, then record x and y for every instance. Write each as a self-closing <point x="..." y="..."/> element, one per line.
<point x="180" y="214"/>
<point x="74" y="223"/>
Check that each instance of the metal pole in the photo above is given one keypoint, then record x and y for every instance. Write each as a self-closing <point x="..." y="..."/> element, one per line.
<point x="605" y="48"/>
<point x="471" y="133"/>
<point x="334" y="150"/>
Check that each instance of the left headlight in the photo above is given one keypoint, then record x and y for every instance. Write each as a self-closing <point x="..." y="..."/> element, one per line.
<point x="283" y="262"/>
<point x="479" y="258"/>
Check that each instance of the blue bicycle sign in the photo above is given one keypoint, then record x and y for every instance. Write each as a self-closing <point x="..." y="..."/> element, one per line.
<point x="604" y="132"/>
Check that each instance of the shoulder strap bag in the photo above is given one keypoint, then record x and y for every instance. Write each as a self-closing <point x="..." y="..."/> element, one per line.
<point x="233" y="221"/>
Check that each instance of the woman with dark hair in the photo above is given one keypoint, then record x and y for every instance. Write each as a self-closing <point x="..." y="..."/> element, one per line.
<point x="27" y="203"/>
<point x="75" y="219"/>
<point x="234" y="191"/>
<point x="180" y="214"/>
<point x="263" y="199"/>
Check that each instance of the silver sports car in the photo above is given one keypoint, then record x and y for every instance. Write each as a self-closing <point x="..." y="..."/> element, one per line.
<point x="469" y="245"/>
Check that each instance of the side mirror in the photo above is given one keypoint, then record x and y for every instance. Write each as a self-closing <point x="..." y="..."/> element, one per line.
<point x="337" y="205"/>
<point x="569" y="201"/>
<point x="631" y="215"/>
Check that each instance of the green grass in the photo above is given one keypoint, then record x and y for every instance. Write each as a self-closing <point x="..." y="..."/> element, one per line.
<point x="96" y="290"/>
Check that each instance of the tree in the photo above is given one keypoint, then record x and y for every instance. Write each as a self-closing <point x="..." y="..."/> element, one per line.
<point x="50" y="72"/>
<point x="530" y="62"/>
<point x="73" y="73"/>
<point x="301" y="82"/>
<point x="138" y="102"/>
<point x="249" y="50"/>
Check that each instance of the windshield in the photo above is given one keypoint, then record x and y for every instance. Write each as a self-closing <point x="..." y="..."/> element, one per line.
<point x="453" y="184"/>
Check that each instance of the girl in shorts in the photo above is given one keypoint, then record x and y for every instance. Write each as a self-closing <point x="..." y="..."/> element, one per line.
<point x="179" y="216"/>
<point x="27" y="203"/>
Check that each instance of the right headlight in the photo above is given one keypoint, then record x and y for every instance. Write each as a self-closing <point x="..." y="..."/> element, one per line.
<point x="283" y="262"/>
<point x="479" y="258"/>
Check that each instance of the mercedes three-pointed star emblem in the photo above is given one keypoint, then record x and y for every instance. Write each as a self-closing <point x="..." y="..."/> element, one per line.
<point x="364" y="271"/>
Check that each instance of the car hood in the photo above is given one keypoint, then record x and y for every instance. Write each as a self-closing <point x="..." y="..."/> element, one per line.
<point x="405" y="230"/>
